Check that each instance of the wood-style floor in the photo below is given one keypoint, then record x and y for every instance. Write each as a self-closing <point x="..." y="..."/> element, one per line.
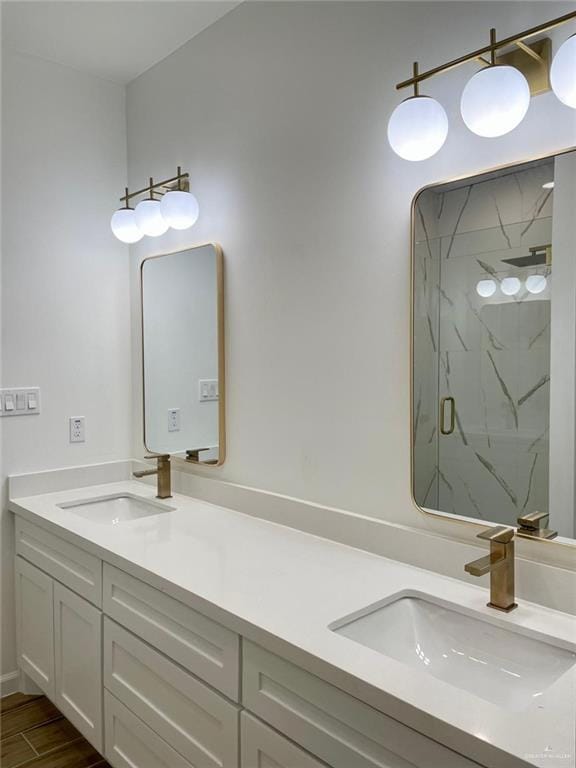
<point x="34" y="734"/>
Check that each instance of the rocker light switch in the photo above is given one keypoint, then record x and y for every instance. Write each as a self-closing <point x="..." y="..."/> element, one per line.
<point x="20" y="401"/>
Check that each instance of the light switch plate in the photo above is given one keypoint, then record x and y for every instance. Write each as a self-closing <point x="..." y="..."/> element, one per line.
<point x="207" y="390"/>
<point x="20" y="401"/>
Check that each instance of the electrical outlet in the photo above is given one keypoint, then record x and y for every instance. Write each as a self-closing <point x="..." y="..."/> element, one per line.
<point x="174" y="420"/>
<point x="77" y="433"/>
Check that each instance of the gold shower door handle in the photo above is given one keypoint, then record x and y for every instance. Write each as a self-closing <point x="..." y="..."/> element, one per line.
<point x="452" y="403"/>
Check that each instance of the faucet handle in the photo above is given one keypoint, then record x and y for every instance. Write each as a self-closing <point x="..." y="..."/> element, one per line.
<point x="534" y="520"/>
<point x="501" y="534"/>
<point x="534" y="525"/>
<point x="164" y="456"/>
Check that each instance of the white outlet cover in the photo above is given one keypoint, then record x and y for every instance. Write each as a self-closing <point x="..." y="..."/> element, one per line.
<point x="174" y="420"/>
<point x="77" y="429"/>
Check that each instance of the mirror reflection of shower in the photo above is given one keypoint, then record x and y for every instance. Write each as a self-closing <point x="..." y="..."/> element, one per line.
<point x="483" y="263"/>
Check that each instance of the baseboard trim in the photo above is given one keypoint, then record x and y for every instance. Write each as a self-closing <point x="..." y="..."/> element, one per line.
<point x="9" y="683"/>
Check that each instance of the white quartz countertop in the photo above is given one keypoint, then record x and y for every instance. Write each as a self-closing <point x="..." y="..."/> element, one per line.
<point x="283" y="588"/>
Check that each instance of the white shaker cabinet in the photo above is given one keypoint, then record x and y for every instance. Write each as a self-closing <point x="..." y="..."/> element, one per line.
<point x="78" y="663"/>
<point x="35" y="625"/>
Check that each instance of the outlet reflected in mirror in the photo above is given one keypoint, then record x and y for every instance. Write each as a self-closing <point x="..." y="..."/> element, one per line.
<point x="183" y="354"/>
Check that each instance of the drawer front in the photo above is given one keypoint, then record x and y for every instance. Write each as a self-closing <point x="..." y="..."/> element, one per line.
<point x="264" y="748"/>
<point x="331" y="724"/>
<point x="199" y="723"/>
<point x="69" y="564"/>
<point x="78" y="663"/>
<point x="35" y="625"/>
<point x="131" y="744"/>
<point x="206" y="648"/>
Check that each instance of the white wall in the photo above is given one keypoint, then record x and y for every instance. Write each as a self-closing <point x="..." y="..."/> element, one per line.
<point x="65" y="301"/>
<point x="279" y="112"/>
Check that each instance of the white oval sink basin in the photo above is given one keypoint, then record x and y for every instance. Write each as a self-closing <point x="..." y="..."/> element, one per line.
<point x="500" y="665"/>
<point x="114" y="509"/>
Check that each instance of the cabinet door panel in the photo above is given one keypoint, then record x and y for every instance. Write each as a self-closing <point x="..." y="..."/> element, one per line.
<point x="264" y="748"/>
<point x="66" y="562"/>
<point x="199" y="723"/>
<point x="130" y="743"/>
<point x="78" y="663"/>
<point x="331" y="724"/>
<point x="203" y="646"/>
<point x="35" y="625"/>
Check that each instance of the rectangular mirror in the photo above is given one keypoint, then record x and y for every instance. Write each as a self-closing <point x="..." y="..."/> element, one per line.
<point x="183" y="354"/>
<point x="494" y="347"/>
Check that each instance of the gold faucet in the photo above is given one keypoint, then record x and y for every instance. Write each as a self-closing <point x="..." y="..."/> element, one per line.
<point x="500" y="565"/>
<point x="535" y="526"/>
<point x="163" y="472"/>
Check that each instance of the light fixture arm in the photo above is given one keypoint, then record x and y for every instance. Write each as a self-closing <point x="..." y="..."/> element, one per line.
<point x="490" y="49"/>
<point x="493" y="47"/>
<point x="417" y="83"/>
<point x="159" y="188"/>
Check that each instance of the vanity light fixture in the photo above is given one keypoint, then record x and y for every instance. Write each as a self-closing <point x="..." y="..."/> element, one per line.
<point x="486" y="288"/>
<point x="510" y="286"/>
<point x="563" y="73"/>
<point x="536" y="283"/>
<point x="177" y="209"/>
<point x="496" y="98"/>
<point x="123" y="224"/>
<point x="418" y="127"/>
<point x="149" y="217"/>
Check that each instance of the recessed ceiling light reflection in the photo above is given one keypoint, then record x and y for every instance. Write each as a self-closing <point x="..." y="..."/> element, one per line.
<point x="536" y="283"/>
<point x="486" y="288"/>
<point x="548" y="185"/>
<point x="510" y="286"/>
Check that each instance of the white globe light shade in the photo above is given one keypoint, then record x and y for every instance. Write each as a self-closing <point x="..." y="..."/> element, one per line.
<point x="149" y="218"/>
<point x="536" y="283"/>
<point x="495" y="101"/>
<point x="179" y="209"/>
<point x="417" y="128"/>
<point x="486" y="288"/>
<point x="563" y="72"/>
<point x="510" y="286"/>
<point x="123" y="225"/>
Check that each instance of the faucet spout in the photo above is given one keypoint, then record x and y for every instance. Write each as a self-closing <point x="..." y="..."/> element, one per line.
<point x="499" y="564"/>
<point x="163" y="472"/>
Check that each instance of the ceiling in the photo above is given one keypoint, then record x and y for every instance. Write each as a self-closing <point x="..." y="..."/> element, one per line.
<point x="115" y="40"/>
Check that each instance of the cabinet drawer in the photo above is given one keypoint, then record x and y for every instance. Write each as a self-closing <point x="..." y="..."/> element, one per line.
<point x="35" y="625"/>
<point x="206" y="648"/>
<point x="131" y="744"/>
<point x="69" y="564"/>
<point x="78" y="663"/>
<point x="264" y="748"/>
<point x="199" y="723"/>
<point x="331" y="724"/>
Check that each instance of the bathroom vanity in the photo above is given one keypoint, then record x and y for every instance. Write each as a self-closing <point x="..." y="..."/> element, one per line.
<point x="183" y="634"/>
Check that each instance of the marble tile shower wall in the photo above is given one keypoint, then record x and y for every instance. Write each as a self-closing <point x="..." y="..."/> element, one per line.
<point x="491" y="354"/>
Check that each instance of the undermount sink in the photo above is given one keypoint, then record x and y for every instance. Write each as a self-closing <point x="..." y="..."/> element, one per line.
<point x="114" y="509"/>
<point x="494" y="663"/>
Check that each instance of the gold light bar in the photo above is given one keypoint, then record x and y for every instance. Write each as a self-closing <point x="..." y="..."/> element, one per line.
<point x="487" y="49"/>
<point x="154" y="188"/>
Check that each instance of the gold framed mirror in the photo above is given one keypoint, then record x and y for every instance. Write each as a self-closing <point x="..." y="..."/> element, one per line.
<point x="493" y="358"/>
<point x="183" y="376"/>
